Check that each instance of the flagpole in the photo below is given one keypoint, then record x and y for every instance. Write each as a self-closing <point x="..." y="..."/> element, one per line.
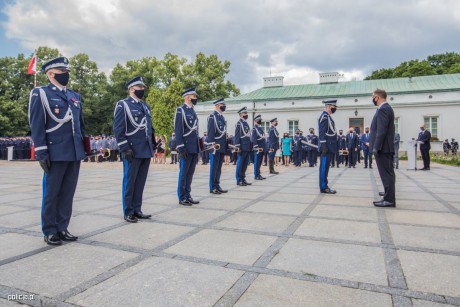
<point x="35" y="79"/>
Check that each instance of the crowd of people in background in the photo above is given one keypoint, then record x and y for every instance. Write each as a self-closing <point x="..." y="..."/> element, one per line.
<point x="353" y="148"/>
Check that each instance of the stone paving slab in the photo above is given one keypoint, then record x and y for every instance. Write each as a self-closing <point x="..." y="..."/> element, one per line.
<point x="281" y="291"/>
<point x="343" y="261"/>
<point x="431" y="272"/>
<point x="345" y="230"/>
<point x="146" y="235"/>
<point x="257" y="222"/>
<point x="224" y="246"/>
<point x="166" y="282"/>
<point x="275" y="243"/>
<point x="427" y="237"/>
<point x="13" y="244"/>
<point x="59" y="269"/>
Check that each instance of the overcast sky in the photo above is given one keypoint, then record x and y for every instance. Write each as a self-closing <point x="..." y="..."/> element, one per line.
<point x="295" y="39"/>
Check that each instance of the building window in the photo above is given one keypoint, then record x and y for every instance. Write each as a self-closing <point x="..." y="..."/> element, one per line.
<point x="431" y="124"/>
<point x="293" y="126"/>
<point x="266" y="126"/>
<point x="396" y="124"/>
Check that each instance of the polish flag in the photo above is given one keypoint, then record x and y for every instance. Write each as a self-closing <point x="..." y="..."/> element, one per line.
<point x="32" y="69"/>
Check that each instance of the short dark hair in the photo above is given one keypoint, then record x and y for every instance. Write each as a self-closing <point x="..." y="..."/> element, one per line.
<point x="381" y="93"/>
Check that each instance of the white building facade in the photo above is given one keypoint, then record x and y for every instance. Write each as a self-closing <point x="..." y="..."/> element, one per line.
<point x="433" y="100"/>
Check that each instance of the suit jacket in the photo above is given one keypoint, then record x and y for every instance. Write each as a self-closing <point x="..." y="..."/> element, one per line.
<point x="58" y="141"/>
<point x="132" y="127"/>
<point x="382" y="131"/>
<point x="186" y="130"/>
<point x="365" y="139"/>
<point x="327" y="133"/>
<point x="217" y="131"/>
<point x="243" y="135"/>
<point x="352" y="141"/>
<point x="273" y="138"/>
<point x="258" y="138"/>
<point x="425" y="137"/>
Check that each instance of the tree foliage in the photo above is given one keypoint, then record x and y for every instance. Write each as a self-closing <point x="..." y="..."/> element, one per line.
<point x="437" y="64"/>
<point x="165" y="78"/>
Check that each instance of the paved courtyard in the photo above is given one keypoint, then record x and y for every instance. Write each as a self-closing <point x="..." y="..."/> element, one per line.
<point x="275" y="243"/>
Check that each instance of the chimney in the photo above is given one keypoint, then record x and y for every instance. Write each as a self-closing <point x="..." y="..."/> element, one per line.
<point x="273" y="81"/>
<point x="329" y="77"/>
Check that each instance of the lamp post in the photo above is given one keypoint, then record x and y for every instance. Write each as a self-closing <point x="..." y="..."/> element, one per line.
<point x="356" y="112"/>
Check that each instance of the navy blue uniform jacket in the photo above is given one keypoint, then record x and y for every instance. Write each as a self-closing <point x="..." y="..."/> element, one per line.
<point x="56" y="123"/>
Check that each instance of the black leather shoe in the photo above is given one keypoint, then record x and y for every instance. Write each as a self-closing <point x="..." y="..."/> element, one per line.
<point x="66" y="236"/>
<point x="274" y="172"/>
<point x="246" y="183"/>
<point x="384" y="203"/>
<point x="53" y="239"/>
<point x="141" y="215"/>
<point x="370" y="166"/>
<point x="221" y="190"/>
<point x="193" y="202"/>
<point x="241" y="183"/>
<point x="381" y="193"/>
<point x="185" y="202"/>
<point x="131" y="219"/>
<point x="215" y="191"/>
<point x="328" y="191"/>
<point x="257" y="178"/>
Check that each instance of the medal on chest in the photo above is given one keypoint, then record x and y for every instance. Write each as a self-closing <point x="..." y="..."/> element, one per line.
<point x="56" y="110"/>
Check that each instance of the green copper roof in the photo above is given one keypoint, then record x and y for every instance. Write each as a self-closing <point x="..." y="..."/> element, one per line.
<point x="437" y="83"/>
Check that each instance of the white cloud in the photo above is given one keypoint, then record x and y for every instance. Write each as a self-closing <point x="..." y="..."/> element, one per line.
<point x="296" y="38"/>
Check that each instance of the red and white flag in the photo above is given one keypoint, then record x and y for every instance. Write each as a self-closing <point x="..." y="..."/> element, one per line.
<point x="32" y="69"/>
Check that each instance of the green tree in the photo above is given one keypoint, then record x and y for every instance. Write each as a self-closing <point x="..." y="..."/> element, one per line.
<point x="92" y="86"/>
<point x="436" y="64"/>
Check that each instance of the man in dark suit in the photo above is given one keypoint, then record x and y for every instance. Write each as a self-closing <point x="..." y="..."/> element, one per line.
<point x="352" y="146"/>
<point x="381" y="142"/>
<point x="424" y="137"/>
<point x="365" y="147"/>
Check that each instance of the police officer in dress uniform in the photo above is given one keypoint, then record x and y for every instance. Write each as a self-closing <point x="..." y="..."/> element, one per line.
<point x="217" y="137"/>
<point x="297" y="147"/>
<point x="273" y="144"/>
<point x="327" y="144"/>
<point x="259" y="142"/>
<point x="243" y="147"/>
<point x="188" y="145"/>
<point x="132" y="127"/>
<point x="312" y="151"/>
<point x="57" y="126"/>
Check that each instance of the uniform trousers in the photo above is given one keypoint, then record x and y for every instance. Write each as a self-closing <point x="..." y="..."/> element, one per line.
<point x="242" y="165"/>
<point x="312" y="157"/>
<point x="134" y="177"/>
<point x="258" y="157"/>
<point x="59" y="186"/>
<point x="215" y="160"/>
<point x="324" y="164"/>
<point x="387" y="175"/>
<point x="187" y="167"/>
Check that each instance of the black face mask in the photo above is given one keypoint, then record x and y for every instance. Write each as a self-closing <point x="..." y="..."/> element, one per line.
<point x="276" y="124"/>
<point x="341" y="133"/>
<point x="245" y="117"/>
<point x="63" y="78"/>
<point x="301" y="134"/>
<point x="333" y="110"/>
<point x="374" y="101"/>
<point x="259" y="122"/>
<point x="297" y="133"/>
<point x="139" y="93"/>
<point x="194" y="101"/>
<point x="223" y="108"/>
<point x="367" y="131"/>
